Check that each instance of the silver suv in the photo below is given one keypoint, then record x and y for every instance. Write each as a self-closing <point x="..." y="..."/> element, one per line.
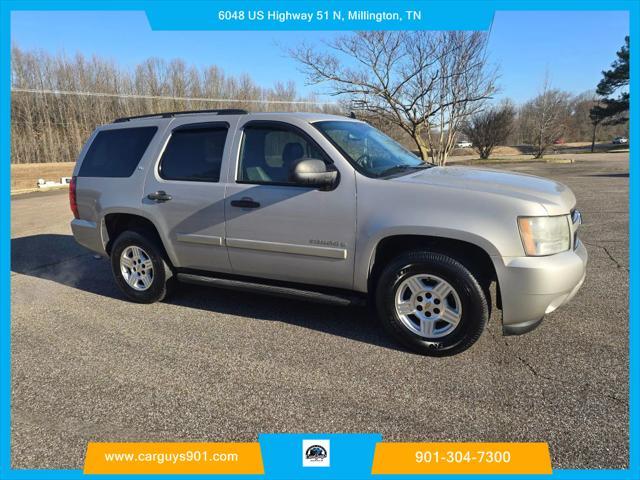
<point x="329" y="209"/>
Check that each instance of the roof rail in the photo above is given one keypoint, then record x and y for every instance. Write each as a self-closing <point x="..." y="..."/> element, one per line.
<point x="223" y="111"/>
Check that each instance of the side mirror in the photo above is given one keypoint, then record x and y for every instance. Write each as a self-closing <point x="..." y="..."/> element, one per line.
<point x="314" y="173"/>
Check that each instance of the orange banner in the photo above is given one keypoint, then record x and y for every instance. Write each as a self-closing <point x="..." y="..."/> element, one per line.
<point x="161" y="458"/>
<point x="461" y="458"/>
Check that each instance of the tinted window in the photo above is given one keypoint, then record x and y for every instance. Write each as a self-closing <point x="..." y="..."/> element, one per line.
<point x="194" y="155"/>
<point x="116" y="153"/>
<point x="269" y="153"/>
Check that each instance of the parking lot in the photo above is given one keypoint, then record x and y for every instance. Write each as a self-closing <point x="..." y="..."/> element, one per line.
<point x="215" y="365"/>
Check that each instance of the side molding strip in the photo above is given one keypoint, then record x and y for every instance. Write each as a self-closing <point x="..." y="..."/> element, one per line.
<point x="201" y="239"/>
<point x="313" y="251"/>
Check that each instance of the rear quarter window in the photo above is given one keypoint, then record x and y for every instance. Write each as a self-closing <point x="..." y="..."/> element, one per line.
<point x="116" y="153"/>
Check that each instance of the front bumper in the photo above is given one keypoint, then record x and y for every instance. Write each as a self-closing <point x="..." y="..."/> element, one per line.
<point x="531" y="287"/>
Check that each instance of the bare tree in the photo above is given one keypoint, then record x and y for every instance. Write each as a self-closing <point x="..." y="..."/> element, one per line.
<point x="424" y="83"/>
<point x="543" y="119"/>
<point x="489" y="128"/>
<point x="462" y="87"/>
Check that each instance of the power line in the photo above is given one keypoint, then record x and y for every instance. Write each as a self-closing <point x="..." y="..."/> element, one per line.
<point x="158" y="97"/>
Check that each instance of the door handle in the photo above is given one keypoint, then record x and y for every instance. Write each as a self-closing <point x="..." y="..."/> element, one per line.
<point x="246" y="202"/>
<point x="159" y="196"/>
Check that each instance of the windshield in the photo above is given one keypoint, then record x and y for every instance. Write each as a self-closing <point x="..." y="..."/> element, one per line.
<point x="369" y="150"/>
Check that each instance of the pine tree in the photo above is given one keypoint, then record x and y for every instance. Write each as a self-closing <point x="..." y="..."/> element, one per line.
<point x="612" y="110"/>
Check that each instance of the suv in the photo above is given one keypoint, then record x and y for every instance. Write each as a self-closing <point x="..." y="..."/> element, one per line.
<point x="325" y="208"/>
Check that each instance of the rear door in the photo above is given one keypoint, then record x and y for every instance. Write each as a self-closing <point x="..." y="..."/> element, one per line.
<point x="277" y="229"/>
<point x="185" y="190"/>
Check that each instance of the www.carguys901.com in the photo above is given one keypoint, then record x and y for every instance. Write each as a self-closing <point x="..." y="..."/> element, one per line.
<point x="172" y="457"/>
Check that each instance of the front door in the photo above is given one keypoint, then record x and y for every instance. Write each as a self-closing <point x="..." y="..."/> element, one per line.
<point x="279" y="230"/>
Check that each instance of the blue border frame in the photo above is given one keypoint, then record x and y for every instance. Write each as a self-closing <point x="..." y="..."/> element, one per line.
<point x="200" y="15"/>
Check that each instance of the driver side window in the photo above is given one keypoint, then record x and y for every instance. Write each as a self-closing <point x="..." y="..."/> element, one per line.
<point x="268" y="153"/>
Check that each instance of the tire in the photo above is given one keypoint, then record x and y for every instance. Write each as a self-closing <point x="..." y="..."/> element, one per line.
<point x="154" y="284"/>
<point x="452" y="325"/>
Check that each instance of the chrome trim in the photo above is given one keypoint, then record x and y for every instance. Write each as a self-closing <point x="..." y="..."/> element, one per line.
<point x="294" y="249"/>
<point x="576" y="223"/>
<point x="199" y="239"/>
<point x="576" y="217"/>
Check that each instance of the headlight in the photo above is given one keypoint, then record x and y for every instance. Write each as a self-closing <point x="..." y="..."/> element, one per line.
<point x="545" y="235"/>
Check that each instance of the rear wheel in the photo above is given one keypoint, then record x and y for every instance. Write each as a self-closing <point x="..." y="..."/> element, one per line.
<point x="140" y="268"/>
<point x="431" y="303"/>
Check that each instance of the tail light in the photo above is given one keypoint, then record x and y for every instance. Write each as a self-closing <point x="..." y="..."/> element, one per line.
<point x="72" y="197"/>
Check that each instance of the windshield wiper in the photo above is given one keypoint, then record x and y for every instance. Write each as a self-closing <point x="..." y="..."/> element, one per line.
<point x="402" y="168"/>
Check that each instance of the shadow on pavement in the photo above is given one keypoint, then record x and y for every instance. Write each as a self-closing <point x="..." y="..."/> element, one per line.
<point x="610" y="175"/>
<point x="60" y="259"/>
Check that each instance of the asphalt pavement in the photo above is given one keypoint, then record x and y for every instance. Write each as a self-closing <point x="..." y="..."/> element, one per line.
<point x="216" y="365"/>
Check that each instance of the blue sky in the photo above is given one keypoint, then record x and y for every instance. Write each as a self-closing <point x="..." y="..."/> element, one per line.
<point x="573" y="47"/>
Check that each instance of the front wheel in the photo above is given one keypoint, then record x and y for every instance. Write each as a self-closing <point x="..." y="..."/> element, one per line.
<point x="431" y="303"/>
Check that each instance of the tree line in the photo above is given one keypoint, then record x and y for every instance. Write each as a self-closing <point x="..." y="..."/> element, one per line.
<point x="425" y="89"/>
<point x="433" y="88"/>
<point x="555" y="116"/>
<point x="52" y="127"/>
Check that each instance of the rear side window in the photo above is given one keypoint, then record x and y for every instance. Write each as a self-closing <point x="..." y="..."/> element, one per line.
<point x="116" y="153"/>
<point x="194" y="154"/>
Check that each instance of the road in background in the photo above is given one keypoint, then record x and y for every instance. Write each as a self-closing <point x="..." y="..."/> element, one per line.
<point x="215" y="365"/>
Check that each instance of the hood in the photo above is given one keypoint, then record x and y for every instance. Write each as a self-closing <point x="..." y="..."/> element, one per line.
<point x="557" y="198"/>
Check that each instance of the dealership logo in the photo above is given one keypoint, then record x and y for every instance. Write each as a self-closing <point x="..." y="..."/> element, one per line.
<point x="315" y="453"/>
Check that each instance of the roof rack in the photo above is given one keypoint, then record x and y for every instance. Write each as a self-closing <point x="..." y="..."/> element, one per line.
<point x="223" y="111"/>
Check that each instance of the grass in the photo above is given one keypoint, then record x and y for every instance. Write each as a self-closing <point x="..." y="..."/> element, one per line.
<point x="24" y="177"/>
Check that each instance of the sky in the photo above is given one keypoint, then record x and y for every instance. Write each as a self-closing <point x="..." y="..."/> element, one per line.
<point x="572" y="47"/>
